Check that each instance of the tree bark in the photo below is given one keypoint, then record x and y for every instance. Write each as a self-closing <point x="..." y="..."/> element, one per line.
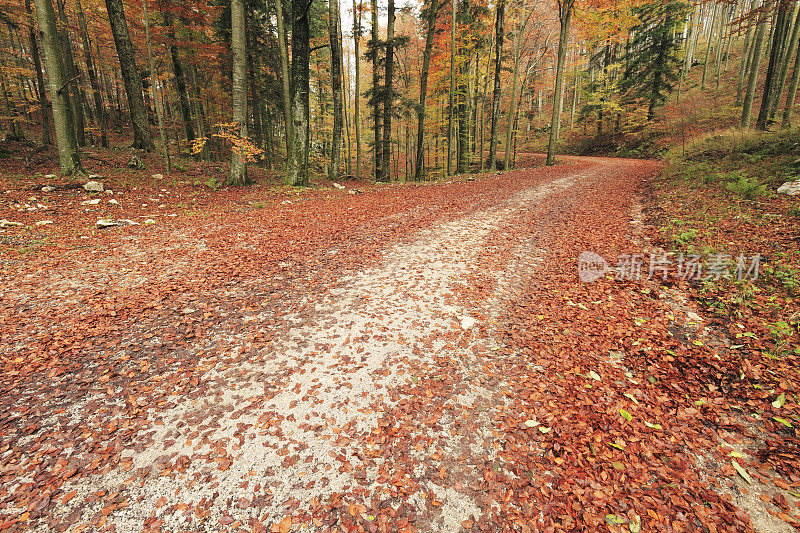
<point x="142" y="139"/>
<point x="419" y="165"/>
<point x="512" y="111"/>
<point x="154" y="88"/>
<point x="68" y="156"/>
<point x="285" y="77"/>
<point x="72" y="74"/>
<point x="357" y="96"/>
<point x="498" y="60"/>
<point x="40" y="89"/>
<point x="102" y="115"/>
<point x="388" y="97"/>
<point x="451" y="96"/>
<point x="771" y="82"/>
<point x="564" y="15"/>
<point x="238" y="175"/>
<point x="336" y="86"/>
<point x="746" y="58"/>
<point x="297" y="171"/>
<point x="747" y="107"/>
<point x="376" y="92"/>
<point x="180" y="81"/>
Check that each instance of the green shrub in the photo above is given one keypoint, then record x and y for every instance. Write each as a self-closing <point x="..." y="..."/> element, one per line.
<point x="748" y="188"/>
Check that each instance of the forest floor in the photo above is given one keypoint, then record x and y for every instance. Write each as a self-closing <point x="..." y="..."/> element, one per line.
<point x="373" y="358"/>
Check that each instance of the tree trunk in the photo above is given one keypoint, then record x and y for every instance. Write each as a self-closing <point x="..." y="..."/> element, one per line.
<point x="68" y="156"/>
<point x="37" y="64"/>
<point x="746" y="58"/>
<point x="747" y="107"/>
<point x="512" y="111"/>
<point x="565" y="14"/>
<point x="419" y="166"/>
<point x="711" y="28"/>
<point x="102" y="115"/>
<point x="180" y="82"/>
<point x="789" y="50"/>
<point x="451" y="96"/>
<point x="771" y="82"/>
<point x="498" y="59"/>
<point x="462" y="105"/>
<point x="388" y="97"/>
<point x="154" y="88"/>
<point x="787" y="111"/>
<point x="238" y="175"/>
<point x="297" y="171"/>
<point x="142" y="139"/>
<point x="357" y="96"/>
<point x="71" y="71"/>
<point x="286" y="80"/>
<point x="376" y="92"/>
<point x="336" y="86"/>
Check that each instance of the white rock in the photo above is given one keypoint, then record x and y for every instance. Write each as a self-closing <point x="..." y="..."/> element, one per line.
<point x="107" y="222"/>
<point x="354" y="191"/>
<point x="8" y="223"/>
<point x="44" y="222"/>
<point x="338" y="186"/>
<point x="109" y="192"/>
<point x="149" y="221"/>
<point x="467" y="322"/>
<point x="50" y="177"/>
<point x="158" y="177"/>
<point x="91" y="202"/>
<point x="792" y="188"/>
<point x="48" y="188"/>
<point x="286" y="202"/>
<point x="93" y="186"/>
<point x="113" y="202"/>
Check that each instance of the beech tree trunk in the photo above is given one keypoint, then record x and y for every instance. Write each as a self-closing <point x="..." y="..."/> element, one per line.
<point x="388" y="97"/>
<point x="142" y="138"/>
<point x="451" y="96"/>
<point x="419" y="164"/>
<point x="40" y="89"/>
<point x="357" y="96"/>
<point x="154" y="89"/>
<point x="102" y="115"/>
<point x="747" y="106"/>
<point x="564" y="15"/>
<point x="297" y="171"/>
<point x="68" y="156"/>
<point x="771" y="82"/>
<point x="285" y="79"/>
<point x="72" y="74"/>
<point x="336" y="86"/>
<point x="180" y="81"/>
<point x="238" y="175"/>
<point x="376" y="92"/>
<point x="498" y="60"/>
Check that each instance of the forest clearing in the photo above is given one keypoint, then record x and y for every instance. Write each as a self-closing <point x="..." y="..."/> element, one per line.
<point x="508" y="265"/>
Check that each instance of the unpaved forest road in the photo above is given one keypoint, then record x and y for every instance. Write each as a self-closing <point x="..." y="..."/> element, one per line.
<point x="209" y="379"/>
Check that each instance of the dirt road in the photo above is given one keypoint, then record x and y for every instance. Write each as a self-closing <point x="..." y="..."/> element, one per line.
<point x="335" y="361"/>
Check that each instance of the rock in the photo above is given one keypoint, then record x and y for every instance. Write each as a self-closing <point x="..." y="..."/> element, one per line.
<point x="48" y="188"/>
<point x="50" y="177"/>
<point x="338" y="186"/>
<point x="467" y="322"/>
<point x="44" y="222"/>
<point x="113" y="202"/>
<point x="149" y="221"/>
<point x="93" y="186"/>
<point x="8" y="223"/>
<point x="91" y="202"/>
<point x="135" y="162"/>
<point x="354" y="191"/>
<point x="109" y="192"/>
<point x="286" y="202"/>
<point x="158" y="177"/>
<point x="792" y="188"/>
<point x="107" y="222"/>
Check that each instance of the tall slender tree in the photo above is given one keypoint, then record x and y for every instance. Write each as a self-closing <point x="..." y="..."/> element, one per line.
<point x="297" y="171"/>
<point x="68" y="155"/>
<point x="142" y="138"/>
<point x="564" y="16"/>
<point x="499" y="26"/>
<point x="388" y="97"/>
<point x="419" y="164"/>
<point x="336" y="86"/>
<point x="357" y="8"/>
<point x="238" y="174"/>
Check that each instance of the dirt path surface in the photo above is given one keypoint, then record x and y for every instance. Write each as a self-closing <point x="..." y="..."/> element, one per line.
<point x="412" y="358"/>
